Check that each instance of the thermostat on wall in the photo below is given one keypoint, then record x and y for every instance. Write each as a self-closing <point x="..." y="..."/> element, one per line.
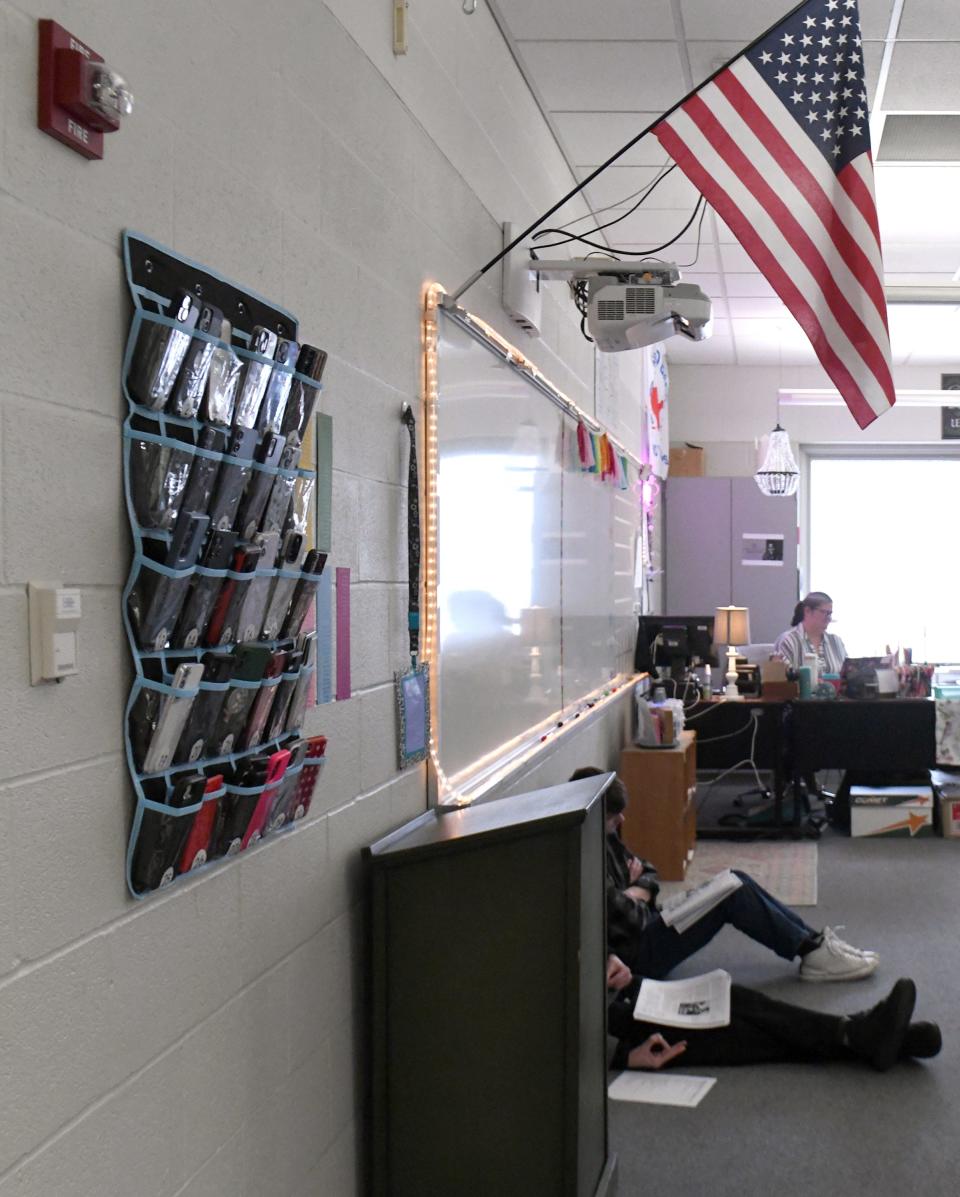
<point x="55" y="613"/>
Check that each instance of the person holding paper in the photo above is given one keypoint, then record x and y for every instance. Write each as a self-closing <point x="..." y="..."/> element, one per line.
<point x="639" y="935"/>
<point x="763" y="1030"/>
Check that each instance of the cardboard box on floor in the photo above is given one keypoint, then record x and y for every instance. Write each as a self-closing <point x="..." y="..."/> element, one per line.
<point x="904" y="811"/>
<point x="686" y="461"/>
<point x="947" y="786"/>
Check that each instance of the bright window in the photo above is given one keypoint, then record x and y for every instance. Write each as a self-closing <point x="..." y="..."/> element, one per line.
<point x="882" y="546"/>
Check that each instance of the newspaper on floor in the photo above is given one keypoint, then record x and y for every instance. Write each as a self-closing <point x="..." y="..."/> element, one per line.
<point x="657" y="1088"/>
<point x="684" y="910"/>
<point x="701" y="1002"/>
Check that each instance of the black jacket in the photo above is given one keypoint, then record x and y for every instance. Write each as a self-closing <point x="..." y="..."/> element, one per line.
<point x="626" y="919"/>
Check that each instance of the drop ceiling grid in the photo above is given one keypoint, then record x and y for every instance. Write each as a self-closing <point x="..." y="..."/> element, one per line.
<point x="605" y="71"/>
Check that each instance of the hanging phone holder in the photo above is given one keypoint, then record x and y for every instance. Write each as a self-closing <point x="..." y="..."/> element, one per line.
<point x="159" y="450"/>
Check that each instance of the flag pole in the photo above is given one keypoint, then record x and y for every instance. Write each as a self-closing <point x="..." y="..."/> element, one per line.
<point x="477" y="275"/>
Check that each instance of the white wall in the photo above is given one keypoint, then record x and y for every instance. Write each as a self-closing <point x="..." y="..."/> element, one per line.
<point x="210" y="1040"/>
<point x="727" y="408"/>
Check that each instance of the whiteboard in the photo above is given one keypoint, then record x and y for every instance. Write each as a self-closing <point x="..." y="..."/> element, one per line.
<point x="535" y="557"/>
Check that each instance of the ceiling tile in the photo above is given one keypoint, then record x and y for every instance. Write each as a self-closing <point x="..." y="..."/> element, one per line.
<point x="592" y="137"/>
<point x="618" y="182"/>
<point x="924" y="77"/>
<point x="617" y="19"/>
<point x="683" y="254"/>
<point x="748" y="286"/>
<point x="649" y="227"/>
<point x="736" y="260"/>
<point x="709" y="283"/>
<point x="604" y="76"/>
<point x="758" y="309"/>
<point x="745" y="21"/>
<point x="933" y="20"/>
<point x="717" y="351"/>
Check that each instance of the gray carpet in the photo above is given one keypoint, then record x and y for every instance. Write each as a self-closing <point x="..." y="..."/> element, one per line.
<point x="790" y="1129"/>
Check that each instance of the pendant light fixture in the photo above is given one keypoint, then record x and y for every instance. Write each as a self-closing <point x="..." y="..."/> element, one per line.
<point x="779" y="474"/>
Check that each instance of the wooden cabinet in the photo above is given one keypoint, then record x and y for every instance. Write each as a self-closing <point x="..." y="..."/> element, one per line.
<point x="488" y="1000"/>
<point x="661" y="816"/>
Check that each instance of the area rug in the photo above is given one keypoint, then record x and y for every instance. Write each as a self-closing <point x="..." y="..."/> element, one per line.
<point x="787" y="868"/>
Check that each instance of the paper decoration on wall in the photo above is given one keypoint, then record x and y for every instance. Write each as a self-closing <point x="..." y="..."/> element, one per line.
<point x="598" y="456"/>
<point x="657" y="440"/>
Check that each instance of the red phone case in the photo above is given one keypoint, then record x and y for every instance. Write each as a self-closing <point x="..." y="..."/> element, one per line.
<point x="299" y="801"/>
<point x="275" y="771"/>
<point x="219" y="613"/>
<point x="199" y="838"/>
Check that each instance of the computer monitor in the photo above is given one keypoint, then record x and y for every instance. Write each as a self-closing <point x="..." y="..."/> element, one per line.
<point x="674" y="642"/>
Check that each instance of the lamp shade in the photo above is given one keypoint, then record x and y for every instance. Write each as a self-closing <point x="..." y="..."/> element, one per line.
<point x="779" y="474"/>
<point x="731" y="625"/>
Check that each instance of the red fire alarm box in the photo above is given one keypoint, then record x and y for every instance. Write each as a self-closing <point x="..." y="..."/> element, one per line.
<point x="80" y="97"/>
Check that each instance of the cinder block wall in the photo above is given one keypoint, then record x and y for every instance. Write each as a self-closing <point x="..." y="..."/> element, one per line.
<point x="210" y="1041"/>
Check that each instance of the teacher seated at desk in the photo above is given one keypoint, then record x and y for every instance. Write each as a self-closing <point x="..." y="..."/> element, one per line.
<point x="808" y="634"/>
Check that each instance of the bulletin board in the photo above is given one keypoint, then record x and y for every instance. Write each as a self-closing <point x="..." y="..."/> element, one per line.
<point x="535" y="589"/>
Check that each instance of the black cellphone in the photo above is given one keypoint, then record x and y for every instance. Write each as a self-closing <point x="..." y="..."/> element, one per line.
<point x="274" y="403"/>
<point x="236" y="590"/>
<point x="161" y="838"/>
<point x="203" y="475"/>
<point x="203" y="591"/>
<point x="217" y="667"/>
<point x="259" y="486"/>
<point x="192" y="380"/>
<point x="277" y="721"/>
<point x="160" y="352"/>
<point x="311" y="362"/>
<point x="236" y="810"/>
<point x="235" y="469"/>
<point x="156" y="599"/>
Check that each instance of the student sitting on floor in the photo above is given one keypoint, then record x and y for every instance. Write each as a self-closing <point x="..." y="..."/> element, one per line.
<point x="763" y="1030"/>
<point x="637" y="933"/>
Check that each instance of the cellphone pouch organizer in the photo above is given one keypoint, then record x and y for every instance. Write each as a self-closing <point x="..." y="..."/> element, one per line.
<point x="192" y="469"/>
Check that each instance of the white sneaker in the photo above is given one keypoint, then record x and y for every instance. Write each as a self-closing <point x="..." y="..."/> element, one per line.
<point x="830" y="934"/>
<point x="830" y="962"/>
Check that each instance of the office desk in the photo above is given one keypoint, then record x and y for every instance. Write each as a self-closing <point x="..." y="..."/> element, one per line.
<point x="796" y="737"/>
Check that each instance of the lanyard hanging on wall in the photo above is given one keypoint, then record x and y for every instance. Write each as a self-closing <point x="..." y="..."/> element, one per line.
<point x="413" y="538"/>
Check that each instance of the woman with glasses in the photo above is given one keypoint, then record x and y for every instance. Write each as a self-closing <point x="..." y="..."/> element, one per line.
<point x="808" y="634"/>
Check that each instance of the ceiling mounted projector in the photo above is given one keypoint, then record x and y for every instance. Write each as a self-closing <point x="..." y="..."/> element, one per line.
<point x="634" y="303"/>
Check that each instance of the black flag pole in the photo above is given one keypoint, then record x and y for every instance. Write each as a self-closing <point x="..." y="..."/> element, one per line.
<point x="619" y="154"/>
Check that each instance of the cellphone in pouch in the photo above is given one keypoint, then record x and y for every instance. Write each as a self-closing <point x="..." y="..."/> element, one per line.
<point x="276" y="817"/>
<point x="232" y="477"/>
<point x="174" y="710"/>
<point x="160" y="351"/>
<point x="299" y="801"/>
<point x="203" y="591"/>
<point x="206" y="709"/>
<point x="195" y="849"/>
<point x="192" y="381"/>
<point x="260" y="710"/>
<point x="236" y="810"/>
<point x="256" y="375"/>
<point x="251" y="660"/>
<point x="245" y="561"/>
<point x="276" y="768"/>
<point x="161" y="837"/>
<point x="278" y="388"/>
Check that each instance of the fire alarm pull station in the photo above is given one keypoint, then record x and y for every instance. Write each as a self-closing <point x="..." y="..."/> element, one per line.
<point x="80" y="96"/>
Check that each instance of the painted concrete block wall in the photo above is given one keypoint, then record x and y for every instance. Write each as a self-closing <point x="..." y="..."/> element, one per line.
<point x="210" y="1040"/>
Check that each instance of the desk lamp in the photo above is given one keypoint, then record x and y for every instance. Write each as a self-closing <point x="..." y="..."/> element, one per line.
<point x="731" y="626"/>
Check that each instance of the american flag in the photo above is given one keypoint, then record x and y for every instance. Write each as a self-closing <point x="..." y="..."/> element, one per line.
<point x="779" y="143"/>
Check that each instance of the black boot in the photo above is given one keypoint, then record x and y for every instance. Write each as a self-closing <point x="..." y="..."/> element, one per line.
<point x="877" y="1035"/>
<point x="921" y="1041"/>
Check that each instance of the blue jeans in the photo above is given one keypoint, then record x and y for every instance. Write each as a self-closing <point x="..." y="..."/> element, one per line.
<point x="659" y="948"/>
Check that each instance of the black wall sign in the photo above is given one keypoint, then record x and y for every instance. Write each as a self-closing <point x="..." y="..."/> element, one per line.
<point x="950" y="423"/>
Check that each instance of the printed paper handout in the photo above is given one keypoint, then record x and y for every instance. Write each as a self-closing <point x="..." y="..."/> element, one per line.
<point x="684" y="910"/>
<point x="701" y="1002"/>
